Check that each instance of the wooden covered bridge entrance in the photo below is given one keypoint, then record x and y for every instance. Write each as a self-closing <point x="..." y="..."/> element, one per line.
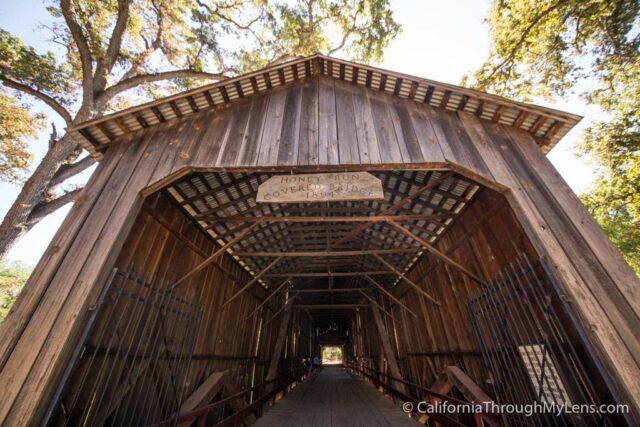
<point x="231" y="231"/>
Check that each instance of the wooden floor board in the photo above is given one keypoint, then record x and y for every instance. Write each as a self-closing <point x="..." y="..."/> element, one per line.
<point x="336" y="399"/>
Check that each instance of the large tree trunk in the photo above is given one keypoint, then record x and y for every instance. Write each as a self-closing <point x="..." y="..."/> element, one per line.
<point x="16" y="221"/>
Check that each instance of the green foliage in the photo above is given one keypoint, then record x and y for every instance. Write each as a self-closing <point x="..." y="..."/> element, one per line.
<point x="614" y="199"/>
<point x="16" y="126"/>
<point x="112" y="53"/>
<point x="219" y="36"/>
<point x="553" y="47"/>
<point x="13" y="276"/>
<point x="332" y="354"/>
<point x="361" y="29"/>
<point x="545" y="48"/>
<point x="118" y="46"/>
<point x="40" y="71"/>
<point x="119" y="52"/>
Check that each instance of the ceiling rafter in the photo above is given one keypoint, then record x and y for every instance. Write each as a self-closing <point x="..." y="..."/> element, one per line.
<point x="328" y="245"/>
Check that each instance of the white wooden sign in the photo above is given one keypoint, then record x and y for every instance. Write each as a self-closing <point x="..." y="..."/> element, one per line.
<point x="320" y="187"/>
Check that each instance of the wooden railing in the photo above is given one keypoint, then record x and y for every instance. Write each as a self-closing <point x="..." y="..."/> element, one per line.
<point x="384" y="380"/>
<point x="265" y="391"/>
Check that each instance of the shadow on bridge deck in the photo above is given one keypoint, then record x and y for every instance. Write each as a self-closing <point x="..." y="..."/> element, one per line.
<point x="335" y="398"/>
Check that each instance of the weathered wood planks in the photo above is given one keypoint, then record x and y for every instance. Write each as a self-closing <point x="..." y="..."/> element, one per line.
<point x="323" y="121"/>
<point x="557" y="234"/>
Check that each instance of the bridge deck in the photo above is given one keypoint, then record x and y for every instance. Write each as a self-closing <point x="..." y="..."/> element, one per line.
<point x="334" y="398"/>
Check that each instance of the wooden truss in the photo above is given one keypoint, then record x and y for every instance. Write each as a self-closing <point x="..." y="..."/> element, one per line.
<point x="341" y="250"/>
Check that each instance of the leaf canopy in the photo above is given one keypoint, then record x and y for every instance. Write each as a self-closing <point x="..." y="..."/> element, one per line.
<point x="551" y="48"/>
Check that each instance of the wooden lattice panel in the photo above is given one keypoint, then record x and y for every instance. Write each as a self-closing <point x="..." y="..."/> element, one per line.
<point x="224" y="204"/>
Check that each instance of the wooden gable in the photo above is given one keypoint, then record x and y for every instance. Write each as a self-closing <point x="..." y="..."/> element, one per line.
<point x="548" y="126"/>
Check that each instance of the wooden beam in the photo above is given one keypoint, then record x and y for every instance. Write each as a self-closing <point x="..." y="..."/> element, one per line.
<point x="203" y="394"/>
<point x="498" y="114"/>
<point x="192" y="104"/>
<point x="445" y="99"/>
<point x="390" y="295"/>
<point x="331" y="306"/>
<point x="105" y="130"/>
<point x="88" y="136"/>
<point x="406" y="279"/>
<point x="118" y="121"/>
<point x="363" y="218"/>
<point x="140" y="119"/>
<point x="453" y="376"/>
<point x="436" y="252"/>
<point x="156" y="111"/>
<point x="522" y="115"/>
<point x="216" y="254"/>
<point x="373" y="301"/>
<point x="332" y="274"/>
<point x="392" y="363"/>
<point x="153" y="215"/>
<point x="289" y="302"/>
<point x="223" y="92"/>
<point x="272" y="372"/>
<point x="312" y="254"/>
<point x="332" y="290"/>
<point x="537" y="125"/>
<point x="209" y="98"/>
<point x="392" y="209"/>
<point x="463" y="102"/>
<point x="275" y="291"/>
<point x="238" y="87"/>
<point x="428" y="94"/>
<point x="175" y="108"/>
<point x="252" y="281"/>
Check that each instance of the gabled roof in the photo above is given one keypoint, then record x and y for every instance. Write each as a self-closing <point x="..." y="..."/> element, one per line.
<point x="547" y="125"/>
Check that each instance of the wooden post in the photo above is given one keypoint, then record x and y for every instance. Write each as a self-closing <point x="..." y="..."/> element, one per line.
<point x="277" y="349"/>
<point x="394" y="369"/>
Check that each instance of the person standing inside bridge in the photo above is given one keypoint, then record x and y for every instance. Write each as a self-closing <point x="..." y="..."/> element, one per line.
<point x="316" y="363"/>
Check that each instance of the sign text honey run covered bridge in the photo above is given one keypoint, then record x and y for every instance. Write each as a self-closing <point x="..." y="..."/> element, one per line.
<point x="320" y="187"/>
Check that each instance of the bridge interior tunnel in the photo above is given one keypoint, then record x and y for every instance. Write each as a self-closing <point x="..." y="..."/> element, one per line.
<point x="214" y="293"/>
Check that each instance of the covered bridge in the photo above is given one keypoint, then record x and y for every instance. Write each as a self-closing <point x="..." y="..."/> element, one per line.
<point x="232" y="230"/>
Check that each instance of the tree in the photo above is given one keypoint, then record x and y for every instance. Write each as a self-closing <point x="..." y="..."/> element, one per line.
<point x="118" y="51"/>
<point x="12" y="277"/>
<point x="554" y="47"/>
<point x="16" y="126"/>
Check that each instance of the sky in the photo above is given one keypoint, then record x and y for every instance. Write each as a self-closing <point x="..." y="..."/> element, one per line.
<point x="441" y="40"/>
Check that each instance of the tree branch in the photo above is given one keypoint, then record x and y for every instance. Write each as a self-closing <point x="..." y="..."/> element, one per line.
<point x="67" y="171"/>
<point x="43" y="209"/>
<point x="229" y="19"/>
<point x="83" y="50"/>
<point x="150" y="47"/>
<point x="141" y="79"/>
<point x="523" y="37"/>
<point x="115" y="42"/>
<point x="51" y="102"/>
